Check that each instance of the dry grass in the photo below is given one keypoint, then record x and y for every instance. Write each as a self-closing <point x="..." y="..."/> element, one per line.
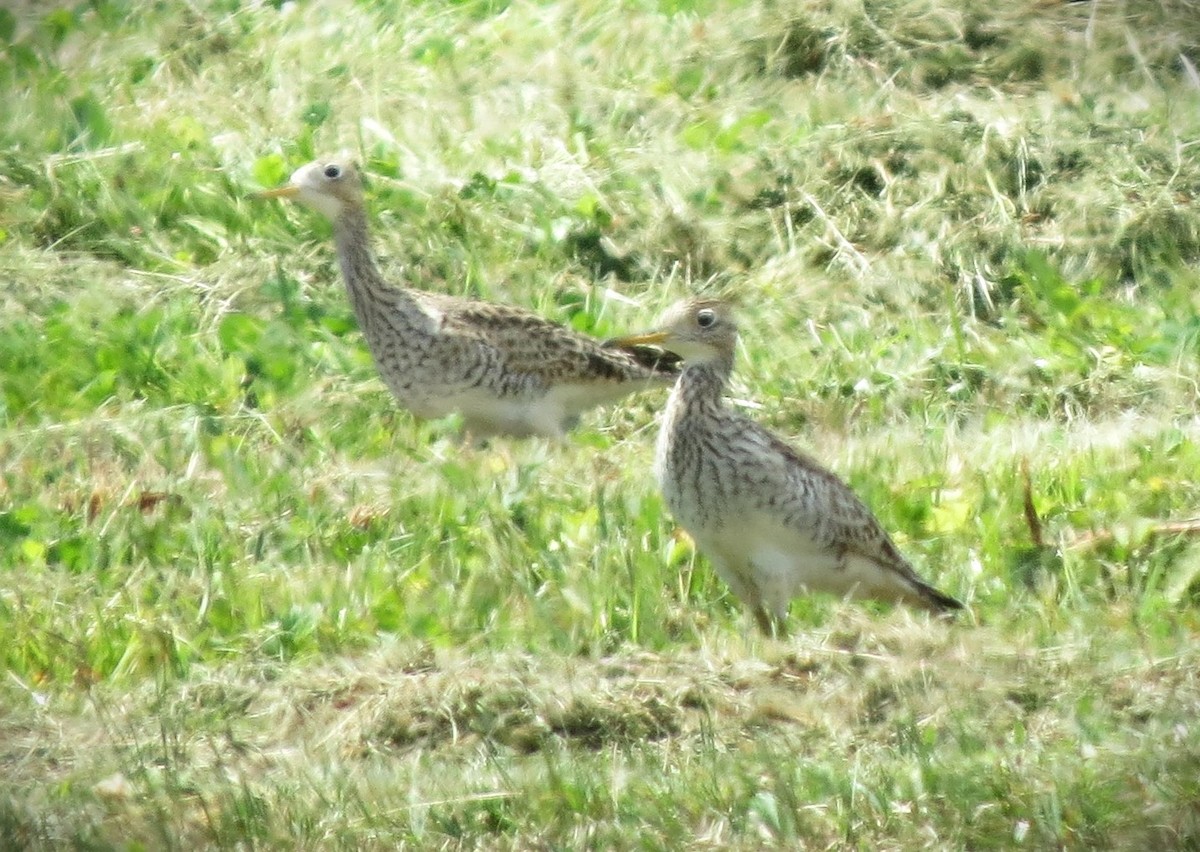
<point x="246" y="602"/>
<point x="421" y="738"/>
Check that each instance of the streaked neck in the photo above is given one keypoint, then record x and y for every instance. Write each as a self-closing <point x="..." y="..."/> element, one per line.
<point x="373" y="299"/>
<point x="704" y="381"/>
<point x="353" y="241"/>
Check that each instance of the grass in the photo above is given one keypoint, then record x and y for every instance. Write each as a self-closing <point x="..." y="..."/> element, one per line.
<point x="246" y="602"/>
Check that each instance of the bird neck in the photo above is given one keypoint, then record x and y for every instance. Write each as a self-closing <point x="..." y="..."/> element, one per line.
<point x="696" y="399"/>
<point x="702" y="383"/>
<point x="365" y="285"/>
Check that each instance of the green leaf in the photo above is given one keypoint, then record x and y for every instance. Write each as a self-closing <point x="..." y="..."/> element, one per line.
<point x="1184" y="574"/>
<point x="12" y="527"/>
<point x="59" y="24"/>
<point x="697" y="136"/>
<point x="188" y="132"/>
<point x="240" y="334"/>
<point x="316" y="114"/>
<point x="33" y="550"/>
<point x="91" y="121"/>
<point x="433" y="50"/>
<point x="270" y="170"/>
<point x="25" y="57"/>
<point x="8" y="26"/>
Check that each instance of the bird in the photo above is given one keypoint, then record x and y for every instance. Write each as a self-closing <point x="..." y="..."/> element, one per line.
<point x="773" y="520"/>
<point x="508" y="371"/>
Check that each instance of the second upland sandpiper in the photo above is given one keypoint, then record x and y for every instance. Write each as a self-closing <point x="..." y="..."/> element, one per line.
<point x="774" y="521"/>
<point x="507" y="370"/>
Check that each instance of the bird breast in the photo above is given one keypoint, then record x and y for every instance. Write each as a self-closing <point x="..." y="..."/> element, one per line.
<point x="698" y="466"/>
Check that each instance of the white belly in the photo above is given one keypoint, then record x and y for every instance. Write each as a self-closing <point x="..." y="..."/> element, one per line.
<point x="549" y="413"/>
<point x="766" y="563"/>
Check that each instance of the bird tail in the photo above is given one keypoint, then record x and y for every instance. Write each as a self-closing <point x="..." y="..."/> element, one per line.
<point x="929" y="598"/>
<point x="895" y="580"/>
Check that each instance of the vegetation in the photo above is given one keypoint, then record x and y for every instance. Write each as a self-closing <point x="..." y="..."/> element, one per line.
<point x="246" y="602"/>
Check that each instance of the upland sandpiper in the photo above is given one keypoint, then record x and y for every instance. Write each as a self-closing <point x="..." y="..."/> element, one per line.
<point x="507" y="370"/>
<point x="774" y="521"/>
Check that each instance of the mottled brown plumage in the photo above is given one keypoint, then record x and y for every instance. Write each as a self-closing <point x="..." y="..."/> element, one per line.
<point x="507" y="370"/>
<point x="773" y="520"/>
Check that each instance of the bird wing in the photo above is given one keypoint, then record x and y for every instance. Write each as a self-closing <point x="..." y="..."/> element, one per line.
<point x="816" y="501"/>
<point x="542" y="351"/>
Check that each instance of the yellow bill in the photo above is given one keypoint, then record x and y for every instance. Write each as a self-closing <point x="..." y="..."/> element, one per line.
<point x="650" y="338"/>
<point x="288" y="191"/>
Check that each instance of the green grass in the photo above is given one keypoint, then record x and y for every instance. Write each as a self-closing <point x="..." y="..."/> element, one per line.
<point x="246" y="602"/>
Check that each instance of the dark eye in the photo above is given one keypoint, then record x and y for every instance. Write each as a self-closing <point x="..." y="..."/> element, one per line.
<point x="333" y="171"/>
<point x="705" y="317"/>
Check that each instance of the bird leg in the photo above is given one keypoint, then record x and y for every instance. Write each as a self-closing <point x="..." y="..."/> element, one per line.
<point x="770" y="624"/>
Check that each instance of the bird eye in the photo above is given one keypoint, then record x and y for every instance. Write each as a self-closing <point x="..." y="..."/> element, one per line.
<point x="333" y="171"/>
<point x="705" y="317"/>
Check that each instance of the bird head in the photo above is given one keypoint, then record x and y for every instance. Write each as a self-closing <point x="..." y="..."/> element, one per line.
<point x="328" y="186"/>
<point x="697" y="330"/>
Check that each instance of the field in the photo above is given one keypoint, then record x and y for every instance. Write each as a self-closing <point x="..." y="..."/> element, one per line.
<point x="247" y="602"/>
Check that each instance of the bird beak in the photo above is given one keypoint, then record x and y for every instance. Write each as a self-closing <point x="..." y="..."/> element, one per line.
<point x="650" y="338"/>
<point x="288" y="191"/>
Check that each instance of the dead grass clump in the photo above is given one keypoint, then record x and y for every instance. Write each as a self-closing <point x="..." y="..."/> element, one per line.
<point x="928" y="46"/>
<point x="525" y="713"/>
